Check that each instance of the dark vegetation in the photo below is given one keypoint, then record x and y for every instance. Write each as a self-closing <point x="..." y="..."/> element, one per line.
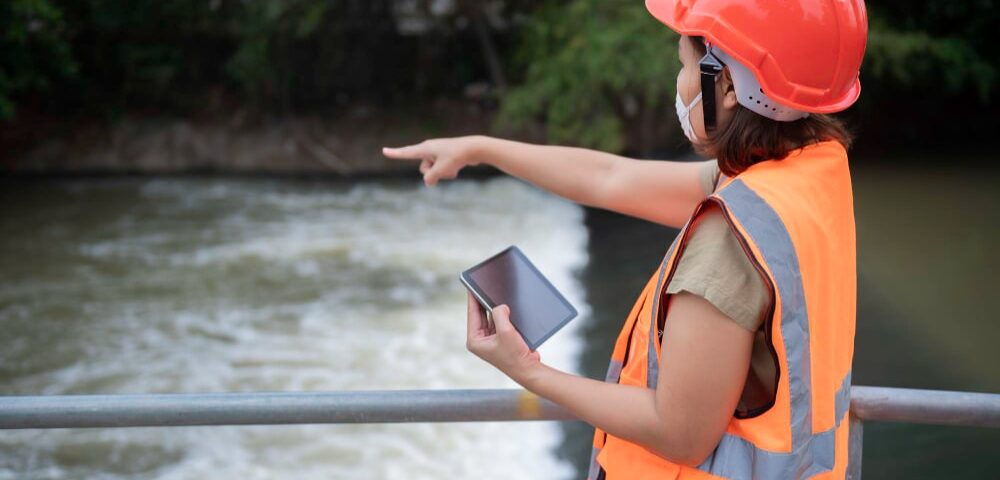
<point x="598" y="73"/>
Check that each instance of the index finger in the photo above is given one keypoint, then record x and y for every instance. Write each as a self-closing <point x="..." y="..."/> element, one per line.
<point x="409" y="152"/>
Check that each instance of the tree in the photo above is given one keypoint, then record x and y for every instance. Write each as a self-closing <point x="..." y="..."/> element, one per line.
<point x="601" y="73"/>
<point x="35" y="50"/>
<point x="597" y="73"/>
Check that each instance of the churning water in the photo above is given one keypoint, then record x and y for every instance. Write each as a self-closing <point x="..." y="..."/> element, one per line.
<point x="205" y="285"/>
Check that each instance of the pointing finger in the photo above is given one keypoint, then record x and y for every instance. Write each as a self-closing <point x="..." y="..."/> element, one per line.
<point x="404" y="153"/>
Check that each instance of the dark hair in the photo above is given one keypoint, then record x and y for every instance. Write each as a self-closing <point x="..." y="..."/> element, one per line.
<point x="751" y="138"/>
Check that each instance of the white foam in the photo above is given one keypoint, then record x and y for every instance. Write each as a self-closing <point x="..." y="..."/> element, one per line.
<point x="267" y="286"/>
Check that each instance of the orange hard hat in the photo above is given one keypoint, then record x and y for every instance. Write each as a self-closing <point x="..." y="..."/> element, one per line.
<point x="805" y="54"/>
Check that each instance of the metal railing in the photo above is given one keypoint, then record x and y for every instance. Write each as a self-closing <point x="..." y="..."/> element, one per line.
<point x="406" y="406"/>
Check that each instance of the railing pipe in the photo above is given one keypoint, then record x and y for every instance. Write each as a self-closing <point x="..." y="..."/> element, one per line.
<point x="163" y="410"/>
<point x="935" y="407"/>
<point x="401" y="406"/>
<point x="855" y="447"/>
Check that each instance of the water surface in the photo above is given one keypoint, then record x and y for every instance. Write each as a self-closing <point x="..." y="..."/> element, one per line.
<point x="216" y="285"/>
<point x="202" y="285"/>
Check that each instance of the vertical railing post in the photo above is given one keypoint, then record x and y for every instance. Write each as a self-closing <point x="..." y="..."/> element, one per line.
<point x="855" y="446"/>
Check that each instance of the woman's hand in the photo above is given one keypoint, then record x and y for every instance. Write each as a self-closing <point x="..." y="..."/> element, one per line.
<point x="440" y="158"/>
<point x="499" y="344"/>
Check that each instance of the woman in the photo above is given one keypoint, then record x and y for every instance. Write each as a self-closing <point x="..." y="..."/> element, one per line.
<point x="735" y="360"/>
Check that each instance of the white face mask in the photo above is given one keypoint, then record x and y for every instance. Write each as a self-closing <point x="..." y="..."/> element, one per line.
<point x="684" y="115"/>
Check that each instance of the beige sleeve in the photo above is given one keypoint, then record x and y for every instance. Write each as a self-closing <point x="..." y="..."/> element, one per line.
<point x="714" y="266"/>
<point x="708" y="176"/>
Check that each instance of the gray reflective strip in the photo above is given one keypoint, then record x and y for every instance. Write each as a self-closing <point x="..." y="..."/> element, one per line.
<point x="738" y="458"/>
<point x="652" y="362"/>
<point x="722" y="179"/>
<point x="614" y="371"/>
<point x="595" y="468"/>
<point x="811" y="454"/>
<point x="843" y="402"/>
<point x="768" y="232"/>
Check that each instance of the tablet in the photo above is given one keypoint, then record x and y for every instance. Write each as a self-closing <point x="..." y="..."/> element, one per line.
<point x="537" y="309"/>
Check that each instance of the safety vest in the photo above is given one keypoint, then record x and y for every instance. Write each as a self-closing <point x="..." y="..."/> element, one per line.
<point x="795" y="219"/>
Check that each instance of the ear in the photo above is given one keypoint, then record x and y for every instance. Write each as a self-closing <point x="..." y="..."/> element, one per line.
<point x="728" y="90"/>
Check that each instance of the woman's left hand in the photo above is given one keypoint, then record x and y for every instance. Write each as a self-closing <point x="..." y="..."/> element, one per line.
<point x="499" y="344"/>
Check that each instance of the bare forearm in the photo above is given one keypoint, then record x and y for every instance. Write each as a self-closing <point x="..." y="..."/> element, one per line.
<point x="570" y="172"/>
<point x="623" y="411"/>
<point x="660" y="191"/>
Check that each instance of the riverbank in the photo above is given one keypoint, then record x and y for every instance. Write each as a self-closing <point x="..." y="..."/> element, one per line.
<point x="346" y="145"/>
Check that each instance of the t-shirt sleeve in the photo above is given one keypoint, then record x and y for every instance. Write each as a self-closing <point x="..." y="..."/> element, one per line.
<point x="708" y="176"/>
<point x="715" y="267"/>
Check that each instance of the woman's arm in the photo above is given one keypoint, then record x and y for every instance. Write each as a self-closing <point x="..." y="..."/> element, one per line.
<point x="660" y="191"/>
<point x="703" y="365"/>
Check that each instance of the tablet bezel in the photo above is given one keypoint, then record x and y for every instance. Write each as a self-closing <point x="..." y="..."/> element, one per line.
<point x="489" y="303"/>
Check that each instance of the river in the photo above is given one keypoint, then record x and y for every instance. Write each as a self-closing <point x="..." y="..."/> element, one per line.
<point x="135" y="285"/>
<point x="188" y="285"/>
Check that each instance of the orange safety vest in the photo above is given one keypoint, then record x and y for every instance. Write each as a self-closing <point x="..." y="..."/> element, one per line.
<point x="795" y="219"/>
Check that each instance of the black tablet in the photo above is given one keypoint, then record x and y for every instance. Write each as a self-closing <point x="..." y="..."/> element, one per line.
<point x="537" y="309"/>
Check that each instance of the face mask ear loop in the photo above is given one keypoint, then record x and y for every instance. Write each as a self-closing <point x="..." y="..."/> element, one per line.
<point x="710" y="67"/>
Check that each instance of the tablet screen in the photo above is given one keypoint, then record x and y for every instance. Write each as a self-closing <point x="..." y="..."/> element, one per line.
<point x="537" y="309"/>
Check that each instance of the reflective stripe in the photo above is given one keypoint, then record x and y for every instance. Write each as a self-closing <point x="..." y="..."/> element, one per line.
<point x="652" y="362"/>
<point x="843" y="400"/>
<point x="768" y="232"/>
<point x="595" y="468"/>
<point x="738" y="458"/>
<point x="614" y="371"/>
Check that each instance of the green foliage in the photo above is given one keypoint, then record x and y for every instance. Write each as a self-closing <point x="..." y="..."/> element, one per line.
<point x="34" y="50"/>
<point x="597" y="73"/>
<point x="589" y="65"/>
<point x="583" y="59"/>
<point x="916" y="59"/>
<point x="265" y="30"/>
<point x="139" y="55"/>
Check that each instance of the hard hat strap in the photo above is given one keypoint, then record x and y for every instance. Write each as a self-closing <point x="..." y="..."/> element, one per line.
<point x="711" y="68"/>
